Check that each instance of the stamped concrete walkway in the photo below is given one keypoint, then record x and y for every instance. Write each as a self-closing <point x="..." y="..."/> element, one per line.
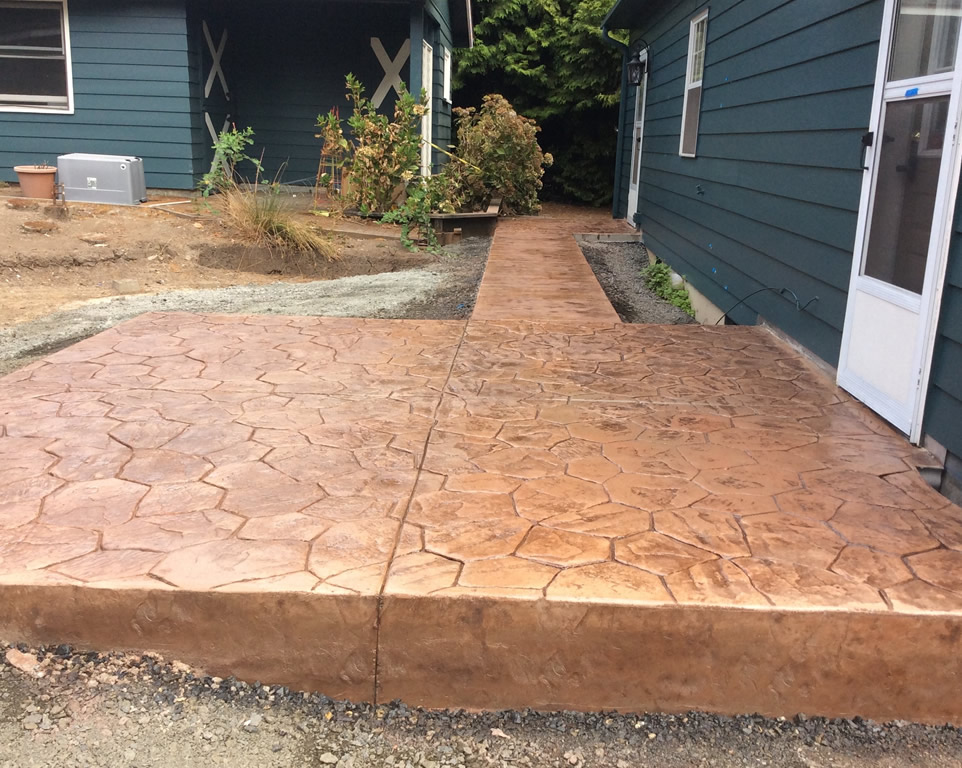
<point x="572" y="513"/>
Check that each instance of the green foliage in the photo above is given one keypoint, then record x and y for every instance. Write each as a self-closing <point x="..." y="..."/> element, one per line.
<point x="548" y="58"/>
<point x="498" y="155"/>
<point x="384" y="154"/>
<point x="414" y="214"/>
<point x="657" y="277"/>
<point x="230" y="150"/>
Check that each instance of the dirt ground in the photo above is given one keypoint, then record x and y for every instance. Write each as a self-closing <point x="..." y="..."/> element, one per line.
<point x="159" y="249"/>
<point x="618" y="268"/>
<point x="81" y="274"/>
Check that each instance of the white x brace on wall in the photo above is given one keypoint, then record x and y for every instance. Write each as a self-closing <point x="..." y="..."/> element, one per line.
<point x="392" y="69"/>
<point x="216" y="73"/>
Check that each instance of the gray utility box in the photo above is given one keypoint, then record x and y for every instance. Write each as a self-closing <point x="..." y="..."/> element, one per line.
<point x="112" y="179"/>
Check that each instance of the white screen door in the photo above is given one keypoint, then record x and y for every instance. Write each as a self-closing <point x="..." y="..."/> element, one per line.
<point x="427" y="83"/>
<point x="637" y="136"/>
<point x="905" y="215"/>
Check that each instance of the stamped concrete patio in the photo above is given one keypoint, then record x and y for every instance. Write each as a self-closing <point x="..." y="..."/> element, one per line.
<point x="560" y="513"/>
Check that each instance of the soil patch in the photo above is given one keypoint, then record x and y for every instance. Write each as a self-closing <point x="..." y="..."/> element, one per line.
<point x="103" y="265"/>
<point x="618" y="268"/>
<point x="356" y="257"/>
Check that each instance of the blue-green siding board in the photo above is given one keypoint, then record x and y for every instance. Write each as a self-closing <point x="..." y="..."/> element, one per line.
<point x="431" y="23"/>
<point x="943" y="407"/>
<point x="287" y="66"/>
<point x="131" y="93"/>
<point x="441" y="117"/>
<point x="772" y="197"/>
<point x="138" y="71"/>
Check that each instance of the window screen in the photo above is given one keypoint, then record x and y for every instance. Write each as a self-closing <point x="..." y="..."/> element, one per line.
<point x="33" y="55"/>
<point x="698" y="33"/>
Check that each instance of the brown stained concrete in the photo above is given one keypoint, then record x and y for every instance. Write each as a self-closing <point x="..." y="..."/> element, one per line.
<point x="500" y="652"/>
<point x="537" y="272"/>
<point x="298" y="639"/>
<point x="567" y="512"/>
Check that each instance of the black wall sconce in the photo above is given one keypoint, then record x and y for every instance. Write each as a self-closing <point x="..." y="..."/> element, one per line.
<point x="636" y="69"/>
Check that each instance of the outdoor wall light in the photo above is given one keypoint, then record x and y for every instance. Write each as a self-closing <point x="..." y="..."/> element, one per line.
<point x="636" y="69"/>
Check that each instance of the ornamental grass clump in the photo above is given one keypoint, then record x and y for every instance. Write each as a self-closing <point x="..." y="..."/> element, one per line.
<point x="261" y="217"/>
<point x="256" y="211"/>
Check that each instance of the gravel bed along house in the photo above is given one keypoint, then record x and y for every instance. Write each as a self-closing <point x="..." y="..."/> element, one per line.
<point x="618" y="268"/>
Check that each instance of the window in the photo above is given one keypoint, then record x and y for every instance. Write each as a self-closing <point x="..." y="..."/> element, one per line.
<point x="697" y="34"/>
<point x="34" y="56"/>
<point x="447" y="75"/>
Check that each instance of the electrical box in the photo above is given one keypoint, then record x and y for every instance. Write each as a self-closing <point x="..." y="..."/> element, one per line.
<point x="113" y="179"/>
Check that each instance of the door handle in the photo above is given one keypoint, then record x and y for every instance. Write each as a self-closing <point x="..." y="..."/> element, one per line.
<point x="868" y="139"/>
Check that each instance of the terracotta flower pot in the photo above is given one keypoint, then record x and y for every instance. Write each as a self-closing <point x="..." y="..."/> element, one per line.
<point x="37" y="181"/>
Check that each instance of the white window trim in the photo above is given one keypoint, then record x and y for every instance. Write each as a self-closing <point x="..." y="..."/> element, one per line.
<point x="447" y="74"/>
<point x="69" y="61"/>
<point x="689" y="84"/>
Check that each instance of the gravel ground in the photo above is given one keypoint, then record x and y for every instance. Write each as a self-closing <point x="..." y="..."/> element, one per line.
<point x="115" y="710"/>
<point x="445" y="290"/>
<point x="618" y="268"/>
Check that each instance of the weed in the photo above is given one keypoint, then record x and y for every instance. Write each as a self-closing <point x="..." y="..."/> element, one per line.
<point x="230" y="150"/>
<point x="657" y="277"/>
<point x="257" y="211"/>
<point x="415" y="214"/>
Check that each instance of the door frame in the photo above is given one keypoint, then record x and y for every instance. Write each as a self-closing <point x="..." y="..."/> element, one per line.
<point x="427" y="85"/>
<point x="928" y="304"/>
<point x="641" y="97"/>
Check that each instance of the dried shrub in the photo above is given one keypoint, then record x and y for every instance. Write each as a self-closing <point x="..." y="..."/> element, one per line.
<point x="498" y="155"/>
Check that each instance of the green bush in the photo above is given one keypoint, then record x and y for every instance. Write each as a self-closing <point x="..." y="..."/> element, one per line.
<point x="384" y="154"/>
<point x="657" y="277"/>
<point x="498" y="155"/>
<point x="230" y="149"/>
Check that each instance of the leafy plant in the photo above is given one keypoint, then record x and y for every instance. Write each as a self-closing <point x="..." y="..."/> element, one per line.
<point x="230" y="150"/>
<point x="414" y="214"/>
<point x="334" y="153"/>
<point x="383" y="155"/>
<point x="657" y="277"/>
<point x="500" y="156"/>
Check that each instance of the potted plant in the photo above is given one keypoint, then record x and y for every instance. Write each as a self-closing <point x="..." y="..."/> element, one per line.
<point x="37" y="180"/>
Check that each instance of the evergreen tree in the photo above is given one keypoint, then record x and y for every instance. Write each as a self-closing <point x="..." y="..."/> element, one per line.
<point x="547" y="57"/>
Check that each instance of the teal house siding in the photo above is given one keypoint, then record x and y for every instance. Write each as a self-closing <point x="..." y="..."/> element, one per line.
<point x="140" y="67"/>
<point x="771" y="200"/>
<point x="440" y="109"/>
<point x="289" y="65"/>
<point x="131" y="94"/>
<point x="943" y="407"/>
